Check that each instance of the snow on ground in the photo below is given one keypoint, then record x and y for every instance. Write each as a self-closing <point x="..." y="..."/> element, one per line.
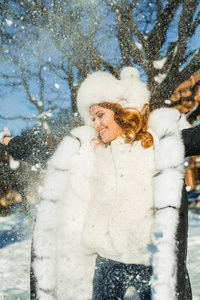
<point x="15" y="243"/>
<point x="14" y="271"/>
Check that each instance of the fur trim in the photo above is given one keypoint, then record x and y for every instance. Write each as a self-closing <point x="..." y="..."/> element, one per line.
<point x="183" y="123"/>
<point x="84" y="133"/>
<point x="60" y="158"/>
<point x="99" y="87"/>
<point x="56" y="244"/>
<point x="49" y="208"/>
<point x="168" y="183"/>
<point x="165" y="123"/>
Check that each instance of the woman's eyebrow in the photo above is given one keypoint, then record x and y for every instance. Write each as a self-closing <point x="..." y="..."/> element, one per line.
<point x="98" y="111"/>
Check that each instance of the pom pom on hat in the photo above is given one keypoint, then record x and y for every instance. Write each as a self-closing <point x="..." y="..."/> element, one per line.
<point x="133" y="90"/>
<point x="129" y="73"/>
<point x="100" y="87"/>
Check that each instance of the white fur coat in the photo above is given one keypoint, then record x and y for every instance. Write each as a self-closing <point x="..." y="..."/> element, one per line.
<point x="62" y="268"/>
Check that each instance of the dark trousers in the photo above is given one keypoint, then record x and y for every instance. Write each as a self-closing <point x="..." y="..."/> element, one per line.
<point x="112" y="279"/>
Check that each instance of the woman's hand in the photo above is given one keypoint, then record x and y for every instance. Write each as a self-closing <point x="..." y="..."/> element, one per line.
<point x="5" y="136"/>
<point x="6" y="140"/>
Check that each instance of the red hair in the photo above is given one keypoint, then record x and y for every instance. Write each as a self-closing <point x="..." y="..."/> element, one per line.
<point x="132" y="122"/>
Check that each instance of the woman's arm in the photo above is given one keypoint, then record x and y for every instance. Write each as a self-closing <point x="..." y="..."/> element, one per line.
<point x="29" y="150"/>
<point x="191" y="140"/>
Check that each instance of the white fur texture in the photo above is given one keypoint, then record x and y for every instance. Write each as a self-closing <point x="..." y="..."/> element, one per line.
<point x="165" y="123"/>
<point x="84" y="133"/>
<point x="164" y="120"/>
<point x="183" y="123"/>
<point x="169" y="159"/>
<point x="128" y="73"/>
<point x="59" y="265"/>
<point x="43" y="296"/>
<point x="117" y="176"/>
<point x="100" y="86"/>
<point x="168" y="192"/>
<point x="62" y="158"/>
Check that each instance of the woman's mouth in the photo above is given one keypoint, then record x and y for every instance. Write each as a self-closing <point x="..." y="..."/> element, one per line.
<point x="101" y="132"/>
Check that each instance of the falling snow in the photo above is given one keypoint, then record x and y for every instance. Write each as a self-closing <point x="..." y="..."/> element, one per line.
<point x="158" y="64"/>
<point x="14" y="164"/>
<point x="138" y="45"/>
<point x="9" y="22"/>
<point x="160" y="77"/>
<point x="39" y="103"/>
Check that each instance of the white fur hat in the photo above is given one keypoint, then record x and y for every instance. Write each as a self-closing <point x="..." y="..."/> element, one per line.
<point x="100" y="86"/>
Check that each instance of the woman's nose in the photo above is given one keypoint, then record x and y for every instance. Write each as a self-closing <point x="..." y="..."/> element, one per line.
<point x="96" y="123"/>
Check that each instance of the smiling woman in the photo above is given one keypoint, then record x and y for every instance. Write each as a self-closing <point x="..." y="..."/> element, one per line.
<point x="104" y="123"/>
<point x="111" y="120"/>
<point x="115" y="216"/>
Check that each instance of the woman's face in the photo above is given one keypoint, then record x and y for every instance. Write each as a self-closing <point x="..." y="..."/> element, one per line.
<point x="104" y="123"/>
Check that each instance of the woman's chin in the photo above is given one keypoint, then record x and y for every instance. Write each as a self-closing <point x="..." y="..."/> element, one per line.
<point x="105" y="140"/>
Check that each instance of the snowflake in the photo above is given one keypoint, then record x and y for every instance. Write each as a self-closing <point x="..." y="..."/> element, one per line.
<point x="9" y="22"/>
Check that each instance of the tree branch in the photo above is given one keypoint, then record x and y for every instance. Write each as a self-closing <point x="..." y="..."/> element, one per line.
<point x="158" y="35"/>
<point x="18" y="117"/>
<point x="184" y="33"/>
<point x="192" y="67"/>
<point x="127" y="46"/>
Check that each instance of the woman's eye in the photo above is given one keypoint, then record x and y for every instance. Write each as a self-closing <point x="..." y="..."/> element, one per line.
<point x="100" y="115"/>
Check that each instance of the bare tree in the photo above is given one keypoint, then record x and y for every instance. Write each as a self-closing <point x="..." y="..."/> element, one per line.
<point x="153" y="35"/>
<point x="26" y="70"/>
<point x="166" y="66"/>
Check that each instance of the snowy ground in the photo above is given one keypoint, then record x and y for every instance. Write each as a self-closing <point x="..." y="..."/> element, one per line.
<point x="15" y="256"/>
<point x="15" y="244"/>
